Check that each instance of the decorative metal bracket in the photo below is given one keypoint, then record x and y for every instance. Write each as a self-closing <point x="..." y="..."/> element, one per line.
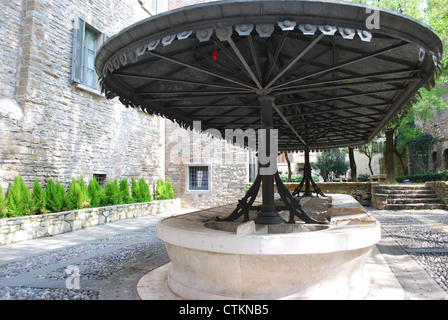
<point x="307" y="179"/>
<point x="291" y="204"/>
<point x="245" y="204"/>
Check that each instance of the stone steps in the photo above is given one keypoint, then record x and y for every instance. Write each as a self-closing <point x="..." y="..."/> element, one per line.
<point x="416" y="206"/>
<point x="408" y="197"/>
<point x="414" y="200"/>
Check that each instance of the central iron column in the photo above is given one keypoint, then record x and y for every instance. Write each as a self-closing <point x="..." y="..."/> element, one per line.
<point x="307" y="173"/>
<point x="268" y="214"/>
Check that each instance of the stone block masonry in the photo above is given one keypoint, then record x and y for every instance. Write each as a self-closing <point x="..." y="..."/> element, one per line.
<point x="14" y="230"/>
<point x="49" y="128"/>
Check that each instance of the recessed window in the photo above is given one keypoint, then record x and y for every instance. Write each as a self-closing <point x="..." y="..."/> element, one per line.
<point x="154" y="6"/>
<point x="198" y="178"/>
<point x="86" y="42"/>
<point x="101" y="179"/>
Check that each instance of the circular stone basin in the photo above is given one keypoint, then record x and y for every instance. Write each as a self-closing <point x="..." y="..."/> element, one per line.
<point x="211" y="260"/>
<point x="232" y="227"/>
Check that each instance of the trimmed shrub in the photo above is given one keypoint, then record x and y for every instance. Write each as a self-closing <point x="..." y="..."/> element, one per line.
<point x="19" y="199"/>
<point x="112" y="193"/>
<point x="164" y="191"/>
<point x="83" y="186"/>
<point x="78" y="197"/>
<point x="124" y="190"/>
<point x="135" y="190"/>
<point x="39" y="198"/>
<point x="144" y="189"/>
<point x="96" y="193"/>
<point x="62" y="194"/>
<point x="421" y="178"/>
<point x="53" y="201"/>
<point x="169" y="189"/>
<point x="3" y="205"/>
<point x="161" y="190"/>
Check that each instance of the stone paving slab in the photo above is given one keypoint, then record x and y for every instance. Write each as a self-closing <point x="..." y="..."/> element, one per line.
<point x="129" y="250"/>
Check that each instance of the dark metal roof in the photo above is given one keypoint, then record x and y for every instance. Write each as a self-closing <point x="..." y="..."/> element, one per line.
<point x="335" y="82"/>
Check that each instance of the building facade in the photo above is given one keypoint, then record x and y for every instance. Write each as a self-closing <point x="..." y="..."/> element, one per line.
<point x="54" y="121"/>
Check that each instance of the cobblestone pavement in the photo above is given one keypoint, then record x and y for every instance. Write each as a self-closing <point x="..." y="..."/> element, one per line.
<point x="108" y="260"/>
<point x="112" y="258"/>
<point x="423" y="235"/>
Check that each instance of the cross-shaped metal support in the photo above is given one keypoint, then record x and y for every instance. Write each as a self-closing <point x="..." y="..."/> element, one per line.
<point x="307" y="180"/>
<point x="268" y="212"/>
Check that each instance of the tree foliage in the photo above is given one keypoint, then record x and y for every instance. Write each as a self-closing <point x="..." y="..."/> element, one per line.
<point x="409" y="129"/>
<point x="331" y="163"/>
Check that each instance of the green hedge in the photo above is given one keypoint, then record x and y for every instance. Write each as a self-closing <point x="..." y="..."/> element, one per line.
<point x="420" y="178"/>
<point x="20" y="201"/>
<point x="295" y="177"/>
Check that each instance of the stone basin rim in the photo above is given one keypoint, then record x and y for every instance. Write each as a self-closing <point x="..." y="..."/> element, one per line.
<point x="193" y="234"/>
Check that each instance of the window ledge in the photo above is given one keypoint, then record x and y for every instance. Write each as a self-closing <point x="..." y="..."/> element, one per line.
<point x="88" y="89"/>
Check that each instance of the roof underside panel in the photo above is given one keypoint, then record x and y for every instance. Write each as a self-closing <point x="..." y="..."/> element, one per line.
<point x="333" y="85"/>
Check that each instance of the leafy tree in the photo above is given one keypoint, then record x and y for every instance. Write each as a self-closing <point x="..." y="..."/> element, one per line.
<point x="331" y="162"/>
<point x="369" y="150"/>
<point x="408" y="129"/>
<point x="39" y="198"/>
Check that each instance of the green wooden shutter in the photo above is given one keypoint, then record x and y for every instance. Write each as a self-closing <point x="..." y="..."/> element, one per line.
<point x="78" y="52"/>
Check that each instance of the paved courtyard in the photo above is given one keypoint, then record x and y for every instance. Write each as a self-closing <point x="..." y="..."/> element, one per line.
<point x="112" y="258"/>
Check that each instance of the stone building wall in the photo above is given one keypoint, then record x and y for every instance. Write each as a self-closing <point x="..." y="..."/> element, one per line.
<point x="228" y="178"/>
<point x="49" y="128"/>
<point x="438" y="155"/>
<point x="228" y="167"/>
<point x="174" y="4"/>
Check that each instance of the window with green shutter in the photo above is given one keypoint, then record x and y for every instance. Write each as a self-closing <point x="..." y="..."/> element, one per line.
<point x="86" y="42"/>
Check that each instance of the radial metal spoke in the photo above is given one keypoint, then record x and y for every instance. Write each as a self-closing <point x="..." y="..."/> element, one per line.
<point x="244" y="62"/>
<point x="186" y="82"/>
<point x="351" y="79"/>
<point x="276" y="55"/>
<point x="203" y="70"/>
<point x="346" y="85"/>
<point x="254" y="57"/>
<point x="294" y="61"/>
<point x="343" y="64"/>
<point x="277" y="109"/>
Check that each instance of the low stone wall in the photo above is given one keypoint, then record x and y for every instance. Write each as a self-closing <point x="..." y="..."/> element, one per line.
<point x="379" y="199"/>
<point x="358" y="190"/>
<point x="440" y="188"/>
<point x="31" y="227"/>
